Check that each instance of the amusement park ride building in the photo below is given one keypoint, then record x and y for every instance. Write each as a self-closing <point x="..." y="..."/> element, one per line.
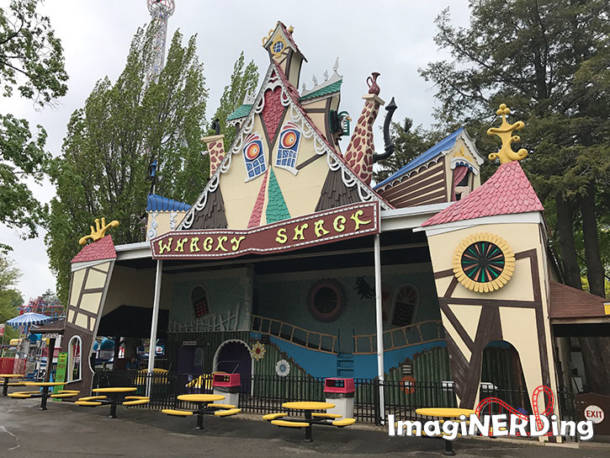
<point x="290" y="262"/>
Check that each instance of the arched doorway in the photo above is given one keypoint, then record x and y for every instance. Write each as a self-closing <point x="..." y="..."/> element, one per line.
<point x="234" y="356"/>
<point x="502" y="375"/>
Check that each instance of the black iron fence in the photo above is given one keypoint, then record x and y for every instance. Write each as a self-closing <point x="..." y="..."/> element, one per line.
<point x="267" y="394"/>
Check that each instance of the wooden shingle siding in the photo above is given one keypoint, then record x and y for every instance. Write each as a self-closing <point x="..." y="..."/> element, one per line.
<point x="424" y="187"/>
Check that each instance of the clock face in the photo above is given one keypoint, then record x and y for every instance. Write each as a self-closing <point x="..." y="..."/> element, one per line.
<point x="483" y="262"/>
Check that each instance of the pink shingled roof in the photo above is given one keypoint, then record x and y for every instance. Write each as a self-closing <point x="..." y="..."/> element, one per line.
<point x="102" y="249"/>
<point x="506" y="192"/>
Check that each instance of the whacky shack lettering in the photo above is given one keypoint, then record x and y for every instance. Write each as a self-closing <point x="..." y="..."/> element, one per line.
<point x="349" y="221"/>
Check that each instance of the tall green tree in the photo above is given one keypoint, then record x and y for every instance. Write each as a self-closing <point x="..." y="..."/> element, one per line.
<point x="549" y="60"/>
<point x="244" y="80"/>
<point x="10" y="297"/>
<point x="408" y="142"/>
<point x="112" y="140"/>
<point x="31" y="66"/>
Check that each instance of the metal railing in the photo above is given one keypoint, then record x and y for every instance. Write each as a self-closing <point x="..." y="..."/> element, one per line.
<point x="405" y="336"/>
<point x="295" y="334"/>
<point x="266" y="393"/>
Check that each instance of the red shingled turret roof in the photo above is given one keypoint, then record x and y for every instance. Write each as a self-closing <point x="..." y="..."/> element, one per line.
<point x="506" y="192"/>
<point x="96" y="251"/>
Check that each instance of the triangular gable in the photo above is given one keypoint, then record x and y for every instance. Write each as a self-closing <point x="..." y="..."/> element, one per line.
<point x="281" y="33"/>
<point x="508" y="191"/>
<point x="276" y="87"/>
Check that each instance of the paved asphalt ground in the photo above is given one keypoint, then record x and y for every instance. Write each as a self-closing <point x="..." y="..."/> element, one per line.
<point x="66" y="430"/>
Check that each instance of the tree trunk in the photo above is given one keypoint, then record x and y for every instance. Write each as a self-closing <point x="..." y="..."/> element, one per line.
<point x="565" y="229"/>
<point x="596" y="358"/>
<point x="595" y="269"/>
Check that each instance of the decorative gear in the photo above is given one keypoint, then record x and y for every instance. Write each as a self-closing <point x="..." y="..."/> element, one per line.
<point x="258" y="351"/>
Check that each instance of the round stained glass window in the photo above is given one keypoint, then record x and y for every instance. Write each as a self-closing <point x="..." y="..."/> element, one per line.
<point x="277" y="47"/>
<point x="326" y="300"/>
<point x="483" y="262"/>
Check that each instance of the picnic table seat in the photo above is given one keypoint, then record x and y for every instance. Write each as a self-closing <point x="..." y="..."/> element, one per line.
<point x="62" y="394"/>
<point x="16" y="384"/>
<point x="136" y="402"/>
<point x="92" y="398"/>
<point x="344" y="422"/>
<point x="333" y="416"/>
<point x="222" y="406"/>
<point x="20" y="395"/>
<point x="226" y="412"/>
<point x="88" y="403"/>
<point x="135" y="398"/>
<point x="290" y="424"/>
<point x="177" y="413"/>
<point x="274" y="416"/>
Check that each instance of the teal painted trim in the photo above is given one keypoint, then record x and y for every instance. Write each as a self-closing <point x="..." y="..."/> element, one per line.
<point x="318" y="364"/>
<point x="330" y="89"/>
<point x="276" y="208"/>
<point x="241" y="112"/>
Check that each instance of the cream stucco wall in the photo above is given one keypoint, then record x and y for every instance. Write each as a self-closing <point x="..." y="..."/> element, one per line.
<point x="301" y="192"/>
<point x="518" y="324"/>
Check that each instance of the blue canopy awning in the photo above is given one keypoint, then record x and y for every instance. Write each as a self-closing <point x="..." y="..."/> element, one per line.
<point x="28" y="319"/>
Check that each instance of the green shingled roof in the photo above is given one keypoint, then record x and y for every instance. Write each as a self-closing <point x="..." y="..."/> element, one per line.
<point x="331" y="88"/>
<point x="241" y="112"/>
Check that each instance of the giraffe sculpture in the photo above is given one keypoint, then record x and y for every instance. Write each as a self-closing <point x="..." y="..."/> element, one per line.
<point x="216" y="151"/>
<point x="359" y="154"/>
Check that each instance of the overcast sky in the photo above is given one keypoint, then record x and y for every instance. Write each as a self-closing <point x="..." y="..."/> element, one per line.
<point x="394" y="38"/>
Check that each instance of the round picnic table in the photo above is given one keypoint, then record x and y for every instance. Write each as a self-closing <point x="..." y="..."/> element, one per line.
<point x="7" y="378"/>
<point x="308" y="407"/>
<point x="45" y="391"/>
<point x="202" y="401"/>
<point x="116" y="395"/>
<point x="445" y="412"/>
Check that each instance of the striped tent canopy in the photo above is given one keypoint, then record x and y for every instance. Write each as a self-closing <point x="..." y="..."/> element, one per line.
<point x="28" y="319"/>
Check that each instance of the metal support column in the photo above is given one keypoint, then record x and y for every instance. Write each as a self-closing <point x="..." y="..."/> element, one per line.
<point x="153" y="327"/>
<point x="379" y="324"/>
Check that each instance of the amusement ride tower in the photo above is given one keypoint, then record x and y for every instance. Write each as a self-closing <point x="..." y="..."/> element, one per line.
<point x="160" y="11"/>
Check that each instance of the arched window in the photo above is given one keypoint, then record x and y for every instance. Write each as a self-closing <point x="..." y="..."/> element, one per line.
<point x="199" y="300"/>
<point x="405" y="305"/>
<point x="74" y="359"/>
<point x="461" y="180"/>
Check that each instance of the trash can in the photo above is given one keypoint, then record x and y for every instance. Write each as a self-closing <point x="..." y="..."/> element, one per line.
<point x="227" y="385"/>
<point x="340" y="392"/>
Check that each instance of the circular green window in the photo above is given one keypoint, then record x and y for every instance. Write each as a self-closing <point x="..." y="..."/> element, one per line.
<point x="483" y="262"/>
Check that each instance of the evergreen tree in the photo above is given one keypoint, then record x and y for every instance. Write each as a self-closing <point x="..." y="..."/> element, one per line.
<point x="408" y="143"/>
<point x="31" y="65"/>
<point x="244" y="80"/>
<point x="549" y="61"/>
<point x="112" y="140"/>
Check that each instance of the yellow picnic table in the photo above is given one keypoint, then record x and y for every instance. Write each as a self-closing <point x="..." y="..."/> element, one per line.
<point x="45" y="391"/>
<point x="116" y="395"/>
<point x="307" y="407"/>
<point x="445" y="412"/>
<point x="7" y="378"/>
<point x="202" y="401"/>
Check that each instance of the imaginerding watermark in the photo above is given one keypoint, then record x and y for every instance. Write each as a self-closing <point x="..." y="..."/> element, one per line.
<point x="514" y="423"/>
<point x="492" y="425"/>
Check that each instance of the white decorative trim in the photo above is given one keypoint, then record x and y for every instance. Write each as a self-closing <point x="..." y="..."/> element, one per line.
<point x="527" y="217"/>
<point x="273" y="80"/>
<point x="215" y="360"/>
<point x="461" y="161"/>
<point x="469" y="145"/>
<point x="172" y="220"/>
<point x="152" y="231"/>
